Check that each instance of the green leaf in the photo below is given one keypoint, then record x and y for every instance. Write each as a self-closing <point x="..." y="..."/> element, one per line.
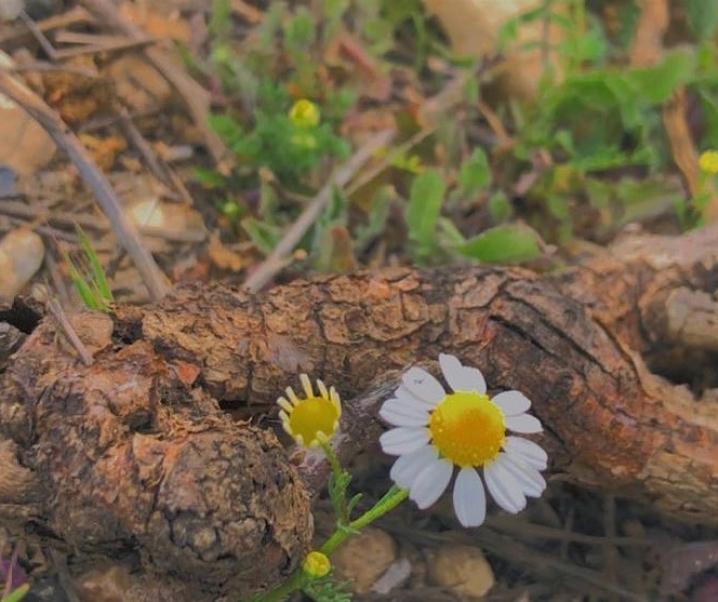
<point x="475" y="173"/>
<point x="702" y="17"/>
<point x="299" y="31"/>
<point x="17" y="594"/>
<point x="500" y="207"/>
<point x="209" y="178"/>
<point x="449" y="233"/>
<point x="264" y="236"/>
<point x="376" y="219"/>
<point x="557" y="206"/>
<point x="472" y="92"/>
<point x="508" y="243"/>
<point x="98" y="277"/>
<point x="710" y="112"/>
<point x="229" y="129"/>
<point x="656" y="84"/>
<point x="422" y="213"/>
<point x="220" y="18"/>
<point x="88" y="276"/>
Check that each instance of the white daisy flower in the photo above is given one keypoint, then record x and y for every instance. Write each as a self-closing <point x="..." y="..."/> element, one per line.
<point x="437" y="430"/>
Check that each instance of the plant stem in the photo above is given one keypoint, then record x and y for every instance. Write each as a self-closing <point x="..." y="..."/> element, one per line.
<point x="332" y="459"/>
<point x="391" y="500"/>
<point x="299" y="579"/>
<point x="293" y="584"/>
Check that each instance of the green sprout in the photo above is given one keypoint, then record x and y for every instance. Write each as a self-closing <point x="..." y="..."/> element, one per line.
<point x="88" y="276"/>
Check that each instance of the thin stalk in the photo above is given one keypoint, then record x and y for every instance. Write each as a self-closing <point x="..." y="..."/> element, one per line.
<point x="391" y="500"/>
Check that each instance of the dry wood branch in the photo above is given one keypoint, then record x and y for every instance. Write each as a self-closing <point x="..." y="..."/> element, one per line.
<point x="133" y="450"/>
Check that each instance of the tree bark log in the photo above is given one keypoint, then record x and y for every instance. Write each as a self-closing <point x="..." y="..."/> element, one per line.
<point x="134" y="455"/>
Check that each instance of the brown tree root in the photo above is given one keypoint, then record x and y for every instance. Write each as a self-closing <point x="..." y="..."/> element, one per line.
<point x="132" y="456"/>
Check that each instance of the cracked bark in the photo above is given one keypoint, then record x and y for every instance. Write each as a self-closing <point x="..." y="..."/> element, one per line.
<point x="133" y="454"/>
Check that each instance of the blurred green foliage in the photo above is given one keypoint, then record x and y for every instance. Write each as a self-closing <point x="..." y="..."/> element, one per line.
<point x="587" y="155"/>
<point x="17" y="594"/>
<point x="275" y="141"/>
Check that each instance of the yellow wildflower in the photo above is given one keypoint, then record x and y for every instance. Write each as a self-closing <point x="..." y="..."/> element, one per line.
<point x="304" y="114"/>
<point x="313" y="420"/>
<point x="708" y="162"/>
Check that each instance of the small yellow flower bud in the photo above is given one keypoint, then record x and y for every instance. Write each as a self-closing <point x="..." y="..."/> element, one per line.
<point x="708" y="162"/>
<point x="316" y="565"/>
<point x="304" y="114"/>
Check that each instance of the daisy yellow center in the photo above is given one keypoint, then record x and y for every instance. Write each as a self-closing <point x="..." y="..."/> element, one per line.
<point x="467" y="428"/>
<point x="313" y="416"/>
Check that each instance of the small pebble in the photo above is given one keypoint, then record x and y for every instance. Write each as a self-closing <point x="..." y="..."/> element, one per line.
<point x="21" y="255"/>
<point x="10" y="9"/>
<point x="461" y="569"/>
<point x="364" y="558"/>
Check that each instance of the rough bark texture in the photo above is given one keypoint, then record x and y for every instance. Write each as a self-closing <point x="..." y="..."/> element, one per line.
<point x="132" y="455"/>
<point x="130" y="458"/>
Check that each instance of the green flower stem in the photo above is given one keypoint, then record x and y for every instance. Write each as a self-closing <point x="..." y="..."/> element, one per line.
<point x="333" y="460"/>
<point x="300" y="579"/>
<point x="391" y="500"/>
<point x="296" y="582"/>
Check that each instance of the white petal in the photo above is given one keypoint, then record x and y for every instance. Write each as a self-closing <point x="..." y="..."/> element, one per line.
<point x="292" y="396"/>
<point x="461" y="378"/>
<point x="336" y="401"/>
<point x="528" y="451"/>
<point x="530" y="480"/>
<point x="408" y="466"/>
<point x="469" y="498"/>
<point x="423" y="385"/>
<point x="307" y="384"/>
<point x="401" y="412"/>
<point x="407" y="396"/>
<point x="403" y="440"/>
<point x="285" y="405"/>
<point x="523" y="423"/>
<point x="512" y="402"/>
<point x="504" y="487"/>
<point x="431" y="482"/>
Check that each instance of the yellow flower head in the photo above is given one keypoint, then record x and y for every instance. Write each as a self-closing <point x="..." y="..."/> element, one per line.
<point x="314" y="419"/>
<point x="708" y="162"/>
<point x="304" y="114"/>
<point x="316" y="565"/>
